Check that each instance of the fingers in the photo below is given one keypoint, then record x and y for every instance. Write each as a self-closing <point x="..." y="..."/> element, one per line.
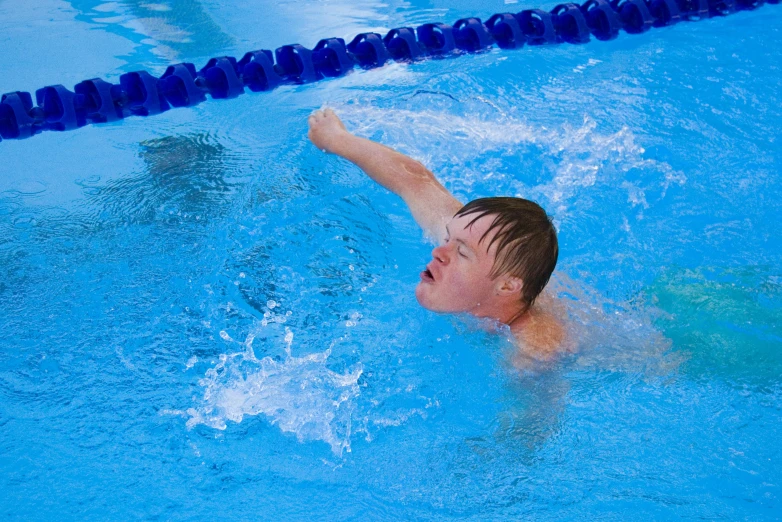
<point x="315" y="118"/>
<point x="321" y="114"/>
<point x="322" y="117"/>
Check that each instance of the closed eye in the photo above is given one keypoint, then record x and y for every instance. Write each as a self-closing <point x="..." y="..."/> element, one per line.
<point x="459" y="249"/>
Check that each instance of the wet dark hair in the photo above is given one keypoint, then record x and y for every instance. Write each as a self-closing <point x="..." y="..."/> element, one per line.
<point x="526" y="240"/>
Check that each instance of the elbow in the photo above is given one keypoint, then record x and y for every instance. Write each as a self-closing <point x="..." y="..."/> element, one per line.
<point x="417" y="178"/>
<point x="416" y="171"/>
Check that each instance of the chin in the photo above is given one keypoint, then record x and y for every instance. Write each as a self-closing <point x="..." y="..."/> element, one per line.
<point x="421" y="297"/>
<point x="428" y="301"/>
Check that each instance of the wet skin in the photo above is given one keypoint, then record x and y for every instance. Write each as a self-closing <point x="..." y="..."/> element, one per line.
<point x="458" y="278"/>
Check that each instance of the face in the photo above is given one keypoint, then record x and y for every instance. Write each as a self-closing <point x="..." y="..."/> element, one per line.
<point x="457" y="279"/>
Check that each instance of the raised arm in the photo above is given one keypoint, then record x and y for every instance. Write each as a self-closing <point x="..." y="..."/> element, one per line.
<point x="431" y="204"/>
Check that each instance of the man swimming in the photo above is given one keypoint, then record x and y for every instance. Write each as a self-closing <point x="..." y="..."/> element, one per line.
<point x="495" y="255"/>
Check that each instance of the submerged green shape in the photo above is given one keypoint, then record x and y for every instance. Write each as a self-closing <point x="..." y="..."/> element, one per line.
<point x="728" y="321"/>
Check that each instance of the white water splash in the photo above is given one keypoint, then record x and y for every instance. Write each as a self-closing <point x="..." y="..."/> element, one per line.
<point x="299" y="395"/>
<point x="574" y="157"/>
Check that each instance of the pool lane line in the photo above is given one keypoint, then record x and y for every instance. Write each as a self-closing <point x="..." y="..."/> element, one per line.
<point x="139" y="93"/>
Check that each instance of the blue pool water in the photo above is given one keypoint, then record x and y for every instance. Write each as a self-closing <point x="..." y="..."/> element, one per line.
<point x="204" y="317"/>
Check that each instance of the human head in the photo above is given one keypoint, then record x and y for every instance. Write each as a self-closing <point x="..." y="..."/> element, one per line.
<point x="499" y="254"/>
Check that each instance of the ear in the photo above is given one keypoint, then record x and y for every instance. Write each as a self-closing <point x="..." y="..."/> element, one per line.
<point x="509" y="286"/>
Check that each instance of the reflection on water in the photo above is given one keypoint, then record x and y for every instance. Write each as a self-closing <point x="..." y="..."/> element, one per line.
<point x="174" y="29"/>
<point x="186" y="176"/>
<point x="183" y="26"/>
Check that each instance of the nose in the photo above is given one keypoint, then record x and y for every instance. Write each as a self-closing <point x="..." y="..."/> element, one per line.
<point x="441" y="254"/>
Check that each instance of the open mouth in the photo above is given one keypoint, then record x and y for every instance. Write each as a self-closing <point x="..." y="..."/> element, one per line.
<point x="426" y="276"/>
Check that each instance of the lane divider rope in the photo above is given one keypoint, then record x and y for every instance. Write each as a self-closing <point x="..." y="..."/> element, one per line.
<point x="141" y="94"/>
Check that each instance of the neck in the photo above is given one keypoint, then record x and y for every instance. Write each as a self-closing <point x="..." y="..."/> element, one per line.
<point x="510" y="314"/>
<point x="517" y="316"/>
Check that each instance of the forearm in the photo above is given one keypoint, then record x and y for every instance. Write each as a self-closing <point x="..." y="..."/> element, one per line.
<point x="398" y="173"/>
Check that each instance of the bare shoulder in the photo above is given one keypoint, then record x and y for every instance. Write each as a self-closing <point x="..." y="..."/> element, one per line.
<point x="542" y="335"/>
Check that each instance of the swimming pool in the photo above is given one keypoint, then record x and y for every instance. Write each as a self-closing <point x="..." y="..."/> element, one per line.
<point x="206" y="318"/>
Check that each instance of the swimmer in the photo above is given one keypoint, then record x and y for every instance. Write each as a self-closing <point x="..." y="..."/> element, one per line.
<point x="495" y="255"/>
